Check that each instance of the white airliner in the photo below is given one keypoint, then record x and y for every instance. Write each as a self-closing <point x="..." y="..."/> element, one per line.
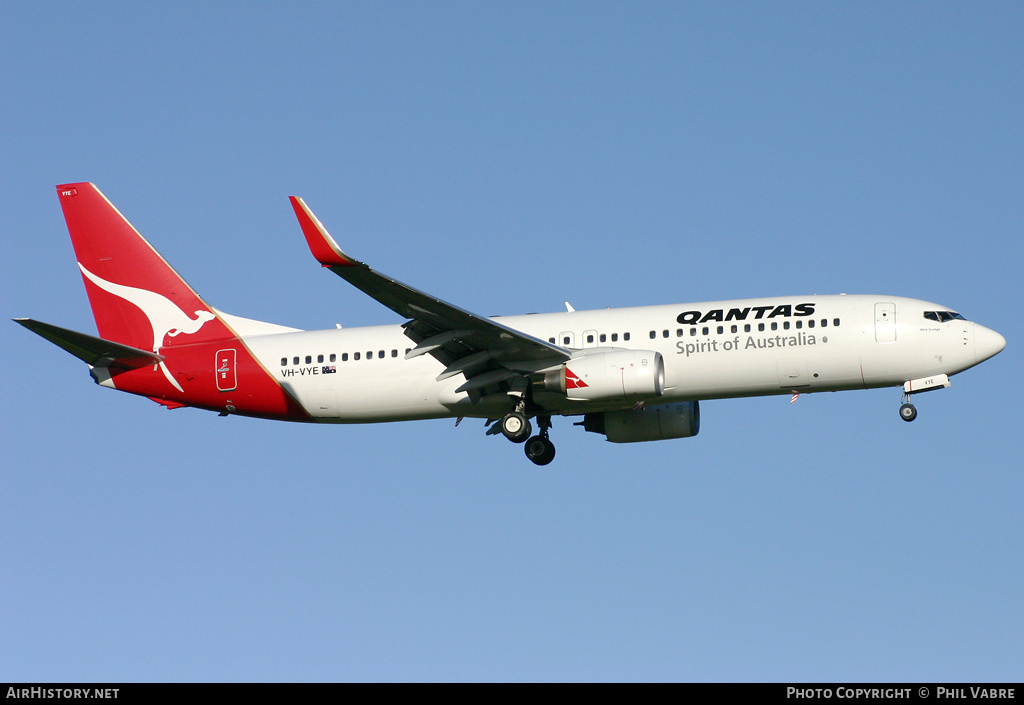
<point x="632" y="374"/>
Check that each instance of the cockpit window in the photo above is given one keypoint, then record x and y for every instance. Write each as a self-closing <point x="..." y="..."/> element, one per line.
<point x="943" y="316"/>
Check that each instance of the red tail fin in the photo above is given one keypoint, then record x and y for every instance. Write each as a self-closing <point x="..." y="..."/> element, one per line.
<point x="136" y="297"/>
<point x="141" y="304"/>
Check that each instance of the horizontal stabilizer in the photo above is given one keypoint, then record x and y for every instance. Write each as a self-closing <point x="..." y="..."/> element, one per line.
<point x="92" y="350"/>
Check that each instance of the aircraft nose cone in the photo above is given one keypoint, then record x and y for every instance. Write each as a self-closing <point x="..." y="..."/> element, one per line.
<point x="987" y="342"/>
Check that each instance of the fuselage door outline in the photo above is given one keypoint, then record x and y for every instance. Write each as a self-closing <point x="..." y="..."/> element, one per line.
<point x="885" y="323"/>
<point x="227" y="378"/>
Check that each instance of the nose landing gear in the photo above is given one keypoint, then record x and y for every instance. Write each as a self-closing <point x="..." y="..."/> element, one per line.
<point x="915" y="386"/>
<point x="908" y="412"/>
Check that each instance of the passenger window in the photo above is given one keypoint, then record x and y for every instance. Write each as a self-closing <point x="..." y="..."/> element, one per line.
<point x="735" y="329"/>
<point x="760" y="327"/>
<point x="344" y="357"/>
<point x="309" y="359"/>
<point x="799" y="324"/>
<point x="693" y="332"/>
<point x="319" y="358"/>
<point x="705" y="330"/>
<point x="369" y="354"/>
<point x="565" y="340"/>
<point x="824" y="323"/>
<point x="590" y="338"/>
<point x="603" y="337"/>
<point x="664" y="334"/>
<point x="775" y="325"/>
<point x="721" y="329"/>
<point x="551" y="340"/>
<point x="810" y="323"/>
<point x="355" y="356"/>
<point x="295" y="360"/>
<point x="653" y="335"/>
<point x="746" y="327"/>
<point x="284" y="361"/>
<point x="394" y="353"/>
<point x="785" y="324"/>
<point x="380" y="354"/>
<point x="625" y="336"/>
<point x="835" y="322"/>
<point x="615" y="337"/>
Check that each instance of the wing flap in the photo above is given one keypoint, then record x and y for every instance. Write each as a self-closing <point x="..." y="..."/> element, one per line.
<point x="434" y="342"/>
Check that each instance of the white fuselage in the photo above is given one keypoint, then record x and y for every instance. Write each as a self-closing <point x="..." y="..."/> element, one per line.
<point x="718" y="349"/>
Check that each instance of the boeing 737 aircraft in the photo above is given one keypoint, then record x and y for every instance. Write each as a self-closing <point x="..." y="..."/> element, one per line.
<point x="635" y="374"/>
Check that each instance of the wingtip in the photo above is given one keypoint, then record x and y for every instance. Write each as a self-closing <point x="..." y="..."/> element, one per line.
<point x="321" y="244"/>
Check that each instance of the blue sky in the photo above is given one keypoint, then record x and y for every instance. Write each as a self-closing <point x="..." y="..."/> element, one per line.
<point x="509" y="157"/>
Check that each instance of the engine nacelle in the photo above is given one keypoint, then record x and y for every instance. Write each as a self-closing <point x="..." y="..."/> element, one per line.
<point x="651" y="423"/>
<point x="619" y="375"/>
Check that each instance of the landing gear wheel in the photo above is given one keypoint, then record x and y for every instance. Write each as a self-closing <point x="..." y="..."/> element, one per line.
<point x="516" y="427"/>
<point x="908" y="412"/>
<point x="540" y="450"/>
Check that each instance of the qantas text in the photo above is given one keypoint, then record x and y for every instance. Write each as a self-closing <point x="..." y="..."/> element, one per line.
<point x="690" y="318"/>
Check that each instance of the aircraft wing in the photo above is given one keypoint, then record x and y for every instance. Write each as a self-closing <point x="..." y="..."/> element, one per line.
<point x="463" y="341"/>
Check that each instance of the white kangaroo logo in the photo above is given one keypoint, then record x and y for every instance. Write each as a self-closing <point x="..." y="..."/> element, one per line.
<point x="164" y="315"/>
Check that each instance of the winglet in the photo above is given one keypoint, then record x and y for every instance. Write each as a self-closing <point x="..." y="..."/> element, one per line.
<point x="320" y="242"/>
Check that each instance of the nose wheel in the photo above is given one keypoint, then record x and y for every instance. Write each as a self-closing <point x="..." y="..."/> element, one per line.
<point x="908" y="412"/>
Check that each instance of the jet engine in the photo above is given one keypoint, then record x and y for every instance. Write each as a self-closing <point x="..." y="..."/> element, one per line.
<point x="651" y="423"/>
<point x="620" y="375"/>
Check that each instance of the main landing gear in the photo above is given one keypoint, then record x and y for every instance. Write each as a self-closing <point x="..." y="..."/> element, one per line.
<point x="516" y="427"/>
<point x="539" y="449"/>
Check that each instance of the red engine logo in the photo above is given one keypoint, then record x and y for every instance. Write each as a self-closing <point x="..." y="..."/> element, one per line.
<point x="572" y="381"/>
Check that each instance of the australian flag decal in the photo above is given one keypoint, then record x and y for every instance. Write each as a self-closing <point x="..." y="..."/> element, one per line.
<point x="328" y="370"/>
